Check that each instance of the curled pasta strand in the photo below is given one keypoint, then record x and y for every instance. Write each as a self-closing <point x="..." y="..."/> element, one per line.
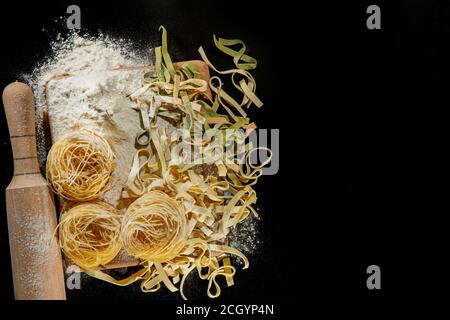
<point x="226" y="271"/>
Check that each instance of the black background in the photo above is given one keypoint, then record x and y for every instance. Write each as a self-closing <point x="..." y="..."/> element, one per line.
<point x="345" y="100"/>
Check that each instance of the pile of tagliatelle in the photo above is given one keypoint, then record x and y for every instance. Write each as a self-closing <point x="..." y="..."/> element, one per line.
<point x="186" y="201"/>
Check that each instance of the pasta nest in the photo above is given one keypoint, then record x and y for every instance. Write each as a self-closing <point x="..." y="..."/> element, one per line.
<point x="154" y="228"/>
<point x="89" y="234"/>
<point x="80" y="165"/>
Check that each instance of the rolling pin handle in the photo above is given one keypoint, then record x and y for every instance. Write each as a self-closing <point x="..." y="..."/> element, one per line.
<point x="18" y="101"/>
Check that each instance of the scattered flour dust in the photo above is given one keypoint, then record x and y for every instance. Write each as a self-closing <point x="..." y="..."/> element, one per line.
<point x="245" y="236"/>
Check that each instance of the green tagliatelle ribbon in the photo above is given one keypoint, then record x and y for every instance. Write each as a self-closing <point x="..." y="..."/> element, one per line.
<point x="247" y="85"/>
<point x="224" y="44"/>
<point x="158" y="64"/>
<point x="190" y="71"/>
<point x="165" y="54"/>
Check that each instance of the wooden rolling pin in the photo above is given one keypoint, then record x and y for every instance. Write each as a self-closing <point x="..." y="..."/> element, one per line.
<point x="35" y="254"/>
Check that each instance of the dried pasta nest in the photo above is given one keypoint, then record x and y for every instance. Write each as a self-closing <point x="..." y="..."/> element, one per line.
<point x="154" y="228"/>
<point x="89" y="234"/>
<point x="79" y="166"/>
